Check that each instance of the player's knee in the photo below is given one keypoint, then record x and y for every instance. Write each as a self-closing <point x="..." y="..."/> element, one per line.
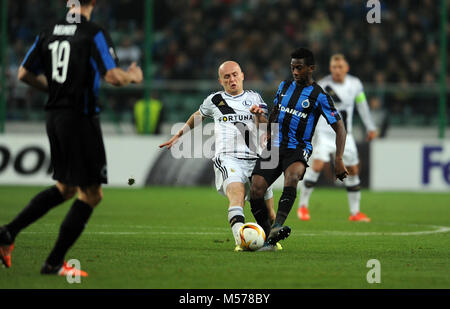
<point x="353" y="170"/>
<point x="95" y="199"/>
<point x="91" y="196"/>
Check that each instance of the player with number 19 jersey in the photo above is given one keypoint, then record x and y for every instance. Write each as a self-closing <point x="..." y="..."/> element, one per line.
<point x="73" y="57"/>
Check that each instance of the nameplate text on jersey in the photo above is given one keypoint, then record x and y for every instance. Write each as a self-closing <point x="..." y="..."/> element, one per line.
<point x="64" y="30"/>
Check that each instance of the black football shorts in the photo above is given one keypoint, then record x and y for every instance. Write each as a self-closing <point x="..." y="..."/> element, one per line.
<point x="77" y="151"/>
<point x="285" y="158"/>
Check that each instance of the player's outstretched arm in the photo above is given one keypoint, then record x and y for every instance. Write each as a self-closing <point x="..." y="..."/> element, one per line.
<point x="118" y="77"/>
<point x="341" y="135"/>
<point x="37" y="81"/>
<point x="189" y="125"/>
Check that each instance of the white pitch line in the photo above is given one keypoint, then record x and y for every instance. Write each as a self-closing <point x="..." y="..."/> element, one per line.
<point x="436" y="230"/>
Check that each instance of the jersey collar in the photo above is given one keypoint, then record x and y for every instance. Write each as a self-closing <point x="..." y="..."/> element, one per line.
<point x="234" y="96"/>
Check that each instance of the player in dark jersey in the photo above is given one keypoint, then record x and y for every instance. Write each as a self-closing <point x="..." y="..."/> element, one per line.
<point x="297" y="107"/>
<point x="67" y="60"/>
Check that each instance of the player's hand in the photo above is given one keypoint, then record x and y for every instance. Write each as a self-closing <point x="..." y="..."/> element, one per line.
<point x="371" y="135"/>
<point x="136" y="73"/>
<point x="340" y="170"/>
<point x="255" y="109"/>
<point x="170" y="142"/>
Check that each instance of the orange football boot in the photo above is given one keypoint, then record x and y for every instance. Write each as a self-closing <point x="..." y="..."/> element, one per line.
<point x="5" y="254"/>
<point x="303" y="213"/>
<point x="62" y="270"/>
<point x="71" y="271"/>
<point x="359" y="217"/>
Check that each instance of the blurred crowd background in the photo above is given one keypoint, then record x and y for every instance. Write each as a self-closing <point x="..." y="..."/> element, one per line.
<point x="192" y="37"/>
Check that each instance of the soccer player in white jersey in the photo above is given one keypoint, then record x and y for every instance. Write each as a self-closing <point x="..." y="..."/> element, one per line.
<point x="347" y="92"/>
<point x="236" y="113"/>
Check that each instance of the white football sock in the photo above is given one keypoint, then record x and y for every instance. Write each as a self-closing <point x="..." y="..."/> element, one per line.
<point x="236" y="211"/>
<point x="354" y="194"/>
<point x="311" y="178"/>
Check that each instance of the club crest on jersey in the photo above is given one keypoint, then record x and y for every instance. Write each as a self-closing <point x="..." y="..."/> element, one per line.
<point x="305" y="103"/>
<point x="247" y="103"/>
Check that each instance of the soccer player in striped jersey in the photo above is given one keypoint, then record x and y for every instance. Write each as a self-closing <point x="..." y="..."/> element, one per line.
<point x="347" y="92"/>
<point x="298" y="106"/>
<point x="236" y="113"/>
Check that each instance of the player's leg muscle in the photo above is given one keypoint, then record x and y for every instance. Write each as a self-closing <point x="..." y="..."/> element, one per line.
<point x="259" y="187"/>
<point x="293" y="174"/>
<point x="236" y="193"/>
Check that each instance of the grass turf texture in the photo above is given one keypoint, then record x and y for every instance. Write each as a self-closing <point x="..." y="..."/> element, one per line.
<point x="179" y="238"/>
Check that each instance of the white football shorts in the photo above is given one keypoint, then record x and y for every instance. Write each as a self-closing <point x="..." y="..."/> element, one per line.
<point x="324" y="145"/>
<point x="229" y="169"/>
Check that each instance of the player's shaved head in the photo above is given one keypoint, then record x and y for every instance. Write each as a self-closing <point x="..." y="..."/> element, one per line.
<point x="229" y="66"/>
<point x="231" y="77"/>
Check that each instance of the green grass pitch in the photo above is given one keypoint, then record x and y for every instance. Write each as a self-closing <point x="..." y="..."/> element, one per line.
<point x="179" y="238"/>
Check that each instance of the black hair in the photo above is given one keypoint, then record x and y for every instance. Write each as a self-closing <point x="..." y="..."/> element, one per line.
<point x="85" y="2"/>
<point x="303" y="53"/>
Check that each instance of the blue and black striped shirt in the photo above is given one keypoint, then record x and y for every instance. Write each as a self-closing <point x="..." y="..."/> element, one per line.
<point x="297" y="111"/>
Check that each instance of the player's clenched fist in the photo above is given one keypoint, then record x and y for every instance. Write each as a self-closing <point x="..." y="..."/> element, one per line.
<point x="256" y="110"/>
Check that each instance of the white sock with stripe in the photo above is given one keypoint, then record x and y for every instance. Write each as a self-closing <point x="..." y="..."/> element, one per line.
<point x="236" y="219"/>
<point x="352" y="183"/>
<point x="307" y="187"/>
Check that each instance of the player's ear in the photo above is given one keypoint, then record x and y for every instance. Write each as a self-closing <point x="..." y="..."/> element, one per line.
<point x="312" y="68"/>
<point x="243" y="76"/>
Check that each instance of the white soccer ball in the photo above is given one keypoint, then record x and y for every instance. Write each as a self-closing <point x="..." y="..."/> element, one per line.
<point x="252" y="236"/>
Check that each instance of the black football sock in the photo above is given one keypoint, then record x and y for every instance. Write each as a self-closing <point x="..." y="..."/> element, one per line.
<point x="287" y="199"/>
<point x="38" y="206"/>
<point x="71" y="229"/>
<point x="261" y="214"/>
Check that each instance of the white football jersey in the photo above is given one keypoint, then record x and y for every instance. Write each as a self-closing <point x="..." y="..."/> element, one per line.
<point x="344" y="96"/>
<point x="235" y="126"/>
